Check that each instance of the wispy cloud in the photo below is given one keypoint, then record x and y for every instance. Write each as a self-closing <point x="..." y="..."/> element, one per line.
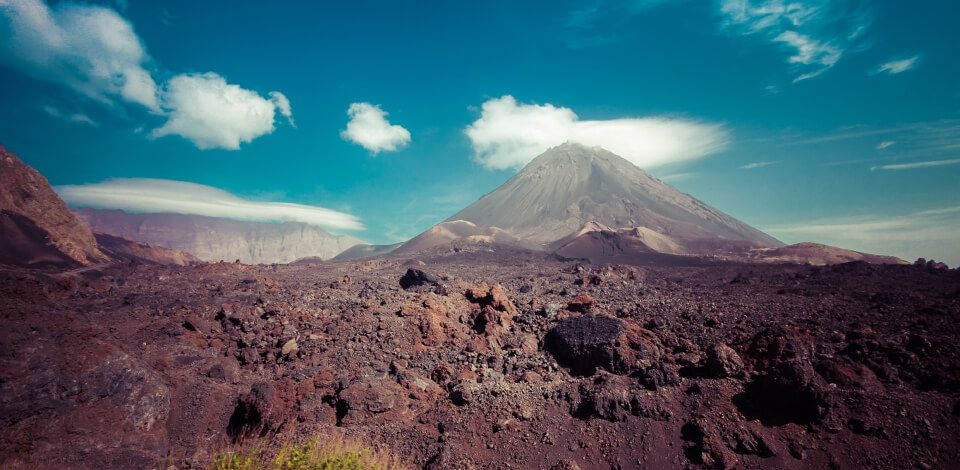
<point x="815" y="33"/>
<point x="95" y="51"/>
<point x="601" y="22"/>
<point x="78" y="118"/>
<point x="886" y="144"/>
<point x="809" y="51"/>
<point x="145" y="195"/>
<point x="368" y="127"/>
<point x="915" y="165"/>
<point x="933" y="140"/>
<point x="509" y="134"/>
<point x="675" y="177"/>
<point x="896" y="66"/>
<point x="755" y="165"/>
<point x="928" y="233"/>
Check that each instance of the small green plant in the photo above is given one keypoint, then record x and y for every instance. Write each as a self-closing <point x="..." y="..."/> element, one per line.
<point x="243" y="459"/>
<point x="315" y="454"/>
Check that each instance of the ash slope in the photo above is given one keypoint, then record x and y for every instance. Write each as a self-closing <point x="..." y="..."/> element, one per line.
<point x="572" y="185"/>
<point x="216" y="239"/>
<point x="36" y="228"/>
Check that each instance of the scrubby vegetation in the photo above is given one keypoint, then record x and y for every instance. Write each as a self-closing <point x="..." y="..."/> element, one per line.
<point x="315" y="454"/>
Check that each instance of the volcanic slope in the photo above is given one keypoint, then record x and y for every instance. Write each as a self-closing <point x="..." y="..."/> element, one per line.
<point x="36" y="228"/>
<point x="572" y="185"/>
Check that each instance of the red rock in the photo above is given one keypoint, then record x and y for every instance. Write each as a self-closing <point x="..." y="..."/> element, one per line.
<point x="581" y="303"/>
<point x="374" y="401"/>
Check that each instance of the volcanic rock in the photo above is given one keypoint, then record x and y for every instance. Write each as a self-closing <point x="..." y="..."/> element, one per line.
<point x="374" y="400"/>
<point x="608" y="397"/>
<point x="589" y="342"/>
<point x="581" y="303"/>
<point x="723" y="361"/>
<point x="415" y="279"/>
<point x="262" y="411"/>
<point x="132" y="386"/>
<point x="290" y="347"/>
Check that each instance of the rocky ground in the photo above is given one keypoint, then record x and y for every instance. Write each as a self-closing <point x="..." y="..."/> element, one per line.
<point x="508" y="360"/>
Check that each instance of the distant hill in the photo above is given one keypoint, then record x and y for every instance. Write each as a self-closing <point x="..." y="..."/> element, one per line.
<point x="218" y="239"/>
<point x="36" y="227"/>
<point x="363" y="250"/>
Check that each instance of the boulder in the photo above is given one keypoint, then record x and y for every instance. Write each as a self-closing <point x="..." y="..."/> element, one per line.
<point x="581" y="303"/>
<point x="130" y="386"/>
<point x="495" y="310"/>
<point x="723" y="361"/>
<point x="417" y="280"/>
<point x="262" y="411"/>
<point x="376" y="400"/>
<point x="587" y="343"/>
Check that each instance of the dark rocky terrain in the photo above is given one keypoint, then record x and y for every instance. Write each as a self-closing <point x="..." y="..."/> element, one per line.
<point x="485" y="359"/>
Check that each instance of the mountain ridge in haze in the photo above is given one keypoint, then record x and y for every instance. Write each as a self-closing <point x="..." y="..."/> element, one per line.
<point x="219" y="239"/>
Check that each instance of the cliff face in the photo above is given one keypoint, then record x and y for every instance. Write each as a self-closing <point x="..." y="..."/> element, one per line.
<point x="216" y="239"/>
<point x="37" y="227"/>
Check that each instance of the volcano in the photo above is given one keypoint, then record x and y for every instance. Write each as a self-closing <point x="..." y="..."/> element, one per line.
<point x="572" y="191"/>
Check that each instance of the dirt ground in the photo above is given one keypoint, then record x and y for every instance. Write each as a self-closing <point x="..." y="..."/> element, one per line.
<point x="485" y="360"/>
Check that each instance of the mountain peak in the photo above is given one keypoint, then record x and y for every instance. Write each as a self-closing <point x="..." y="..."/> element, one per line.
<point x="577" y="150"/>
<point x="572" y="184"/>
<point x="584" y="159"/>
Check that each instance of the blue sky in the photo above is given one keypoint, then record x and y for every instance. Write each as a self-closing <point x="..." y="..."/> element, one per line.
<point x="828" y="121"/>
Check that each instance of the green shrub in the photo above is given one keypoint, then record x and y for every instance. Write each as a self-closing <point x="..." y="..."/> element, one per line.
<point x="329" y="454"/>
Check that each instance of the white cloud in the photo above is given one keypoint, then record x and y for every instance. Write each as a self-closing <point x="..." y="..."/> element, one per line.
<point x="78" y="118"/>
<point x="89" y="48"/>
<point x="211" y="113"/>
<point x="95" y="51"/>
<point x="915" y="165"/>
<point x="283" y="106"/>
<point x="755" y="165"/>
<point x="155" y="196"/>
<point x="929" y="234"/>
<point x="886" y="144"/>
<point x="809" y="52"/>
<point x="508" y="135"/>
<point x="895" y="66"/>
<point x="369" y="128"/>
<point x="817" y="33"/>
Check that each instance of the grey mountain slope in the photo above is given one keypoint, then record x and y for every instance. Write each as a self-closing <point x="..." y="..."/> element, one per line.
<point x="361" y="251"/>
<point x="570" y="185"/>
<point x="216" y="239"/>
